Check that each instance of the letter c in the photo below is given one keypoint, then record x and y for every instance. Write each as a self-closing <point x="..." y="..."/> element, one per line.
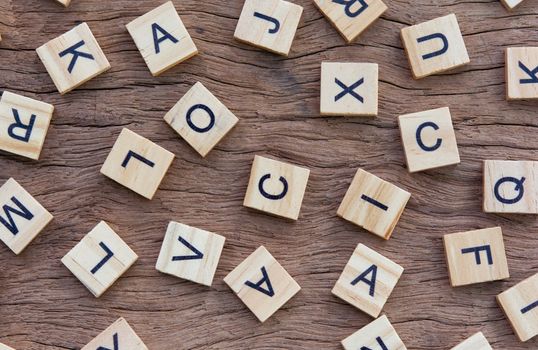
<point x="419" y="137"/>
<point x="273" y="197"/>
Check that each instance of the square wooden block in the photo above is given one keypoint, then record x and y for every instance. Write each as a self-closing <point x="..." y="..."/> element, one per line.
<point x="520" y="304"/>
<point x="511" y="4"/>
<point x="64" y="2"/>
<point x="99" y="259"/>
<point x="349" y="89"/>
<point x="521" y="73"/>
<point x="428" y="139"/>
<point x="367" y="280"/>
<point x="262" y="284"/>
<point x="21" y="217"/>
<point x="476" y="342"/>
<point x="476" y="256"/>
<point x="24" y="123"/>
<point x="276" y="188"/>
<point x="379" y="334"/>
<point x="73" y="58"/>
<point x="351" y="18"/>
<point x="117" y="336"/>
<point x="137" y="163"/>
<point x="373" y="204"/>
<point x="161" y="38"/>
<point x="201" y="119"/>
<point x="190" y="253"/>
<point x="510" y="187"/>
<point x="269" y="24"/>
<point x="435" y="46"/>
<point x="5" y="347"/>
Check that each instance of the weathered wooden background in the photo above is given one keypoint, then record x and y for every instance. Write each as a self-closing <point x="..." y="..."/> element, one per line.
<point x="43" y="306"/>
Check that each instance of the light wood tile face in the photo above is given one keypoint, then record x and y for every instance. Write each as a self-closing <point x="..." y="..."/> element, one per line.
<point x="117" y="336"/>
<point x="276" y="188"/>
<point x="434" y="46"/>
<point x="137" y="163"/>
<point x="373" y="204"/>
<point x="262" y="284"/>
<point x="510" y="187"/>
<point x="476" y="342"/>
<point x="5" y="347"/>
<point x="349" y="89"/>
<point x="24" y="123"/>
<point x="201" y="119"/>
<point x="511" y="4"/>
<point x="161" y="38"/>
<point x="522" y="73"/>
<point x="64" y="2"/>
<point x="269" y="24"/>
<point x="379" y="334"/>
<point x="190" y="253"/>
<point x="520" y="304"/>
<point x="367" y="280"/>
<point x="21" y="216"/>
<point x="428" y="139"/>
<point x="99" y="259"/>
<point x="476" y="256"/>
<point x="351" y="18"/>
<point x="73" y="58"/>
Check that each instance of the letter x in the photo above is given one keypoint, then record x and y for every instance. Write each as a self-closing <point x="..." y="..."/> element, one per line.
<point x="349" y="89"/>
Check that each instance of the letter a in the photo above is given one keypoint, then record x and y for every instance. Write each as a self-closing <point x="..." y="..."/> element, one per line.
<point x="371" y="282"/>
<point x="380" y="342"/>
<point x="116" y="343"/>
<point x="258" y="285"/>
<point x="165" y="36"/>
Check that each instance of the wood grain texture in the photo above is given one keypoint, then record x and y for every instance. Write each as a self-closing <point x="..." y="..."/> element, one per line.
<point x="43" y="307"/>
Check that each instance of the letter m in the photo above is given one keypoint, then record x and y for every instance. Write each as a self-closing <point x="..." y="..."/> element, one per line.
<point x="21" y="211"/>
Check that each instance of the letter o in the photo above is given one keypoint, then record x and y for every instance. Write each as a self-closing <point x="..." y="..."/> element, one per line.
<point x="209" y="113"/>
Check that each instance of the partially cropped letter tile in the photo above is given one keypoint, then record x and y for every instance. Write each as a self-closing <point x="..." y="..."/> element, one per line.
<point x="510" y="187"/>
<point x="24" y="123"/>
<point x="73" y="58"/>
<point x="373" y="204"/>
<point x="435" y="46"/>
<point x="379" y="334"/>
<point x="476" y="256"/>
<point x="367" y="280"/>
<point x="428" y="139"/>
<point x="161" y="38"/>
<point x="511" y="4"/>
<point x="190" y="253"/>
<point x="137" y="163"/>
<point x="269" y="24"/>
<point x="201" y="119"/>
<point x="476" y="342"/>
<point x="21" y="216"/>
<point x="5" y="347"/>
<point x="99" y="259"/>
<point x="276" y="188"/>
<point x="262" y="284"/>
<point x="117" y="336"/>
<point x="522" y="73"/>
<point x="520" y="304"/>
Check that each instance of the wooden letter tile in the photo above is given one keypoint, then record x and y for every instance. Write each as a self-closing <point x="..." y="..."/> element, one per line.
<point x="5" y="347"/>
<point x="117" y="336"/>
<point x="511" y="4"/>
<point x="510" y="187"/>
<point x="373" y="204"/>
<point x="276" y="188"/>
<point x="522" y="73"/>
<point x="99" y="259"/>
<point x="161" y="38"/>
<point x="21" y="217"/>
<point x="64" y="2"/>
<point x="379" y="334"/>
<point x="476" y="256"/>
<point x="269" y="24"/>
<point x="24" y="123"/>
<point x="351" y="18"/>
<point x="73" y="58"/>
<point x="367" y="280"/>
<point x="262" y="284"/>
<point x="137" y="163"/>
<point x="476" y="342"/>
<point x="349" y="89"/>
<point x="520" y="304"/>
<point x="428" y="139"/>
<point x="434" y="46"/>
<point x="201" y="119"/>
<point x="190" y="253"/>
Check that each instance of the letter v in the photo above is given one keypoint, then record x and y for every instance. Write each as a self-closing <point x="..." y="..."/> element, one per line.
<point x="197" y="254"/>
<point x="258" y="286"/>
